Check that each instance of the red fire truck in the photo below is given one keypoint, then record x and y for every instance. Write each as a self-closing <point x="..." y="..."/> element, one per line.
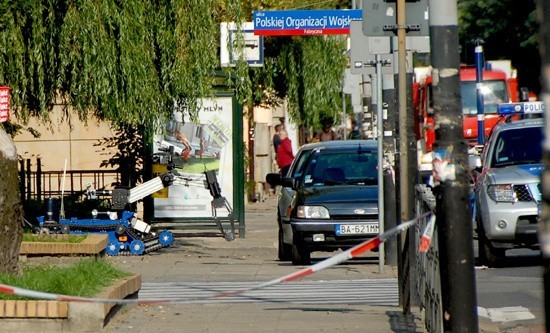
<point x="499" y="86"/>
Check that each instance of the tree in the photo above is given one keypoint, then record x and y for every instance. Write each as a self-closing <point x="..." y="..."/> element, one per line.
<point x="122" y="61"/>
<point x="293" y="66"/>
<point x="128" y="61"/>
<point x="509" y="30"/>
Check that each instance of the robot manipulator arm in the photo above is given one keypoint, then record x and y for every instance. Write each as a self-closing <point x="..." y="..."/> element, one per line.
<point x="122" y="197"/>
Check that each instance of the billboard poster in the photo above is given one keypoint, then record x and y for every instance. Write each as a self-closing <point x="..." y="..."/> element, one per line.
<point x="201" y="145"/>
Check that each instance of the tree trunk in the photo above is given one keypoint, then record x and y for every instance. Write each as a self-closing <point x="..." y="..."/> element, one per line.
<point x="11" y="210"/>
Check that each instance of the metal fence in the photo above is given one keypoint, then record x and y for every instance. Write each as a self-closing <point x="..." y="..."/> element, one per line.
<point x="428" y="279"/>
<point x="39" y="185"/>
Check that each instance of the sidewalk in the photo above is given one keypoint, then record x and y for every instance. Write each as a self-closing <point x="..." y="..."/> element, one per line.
<point x="251" y="259"/>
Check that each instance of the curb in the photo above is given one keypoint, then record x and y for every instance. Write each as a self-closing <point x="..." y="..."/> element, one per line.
<point x="62" y="316"/>
<point x="93" y="244"/>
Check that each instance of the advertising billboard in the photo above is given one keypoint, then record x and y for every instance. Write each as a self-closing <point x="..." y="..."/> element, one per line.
<point x="199" y="145"/>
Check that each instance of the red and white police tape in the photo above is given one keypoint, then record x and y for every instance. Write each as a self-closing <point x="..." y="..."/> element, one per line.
<point x="426" y="238"/>
<point x="332" y="261"/>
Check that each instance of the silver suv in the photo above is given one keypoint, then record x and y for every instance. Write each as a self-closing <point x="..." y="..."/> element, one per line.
<point x="508" y="189"/>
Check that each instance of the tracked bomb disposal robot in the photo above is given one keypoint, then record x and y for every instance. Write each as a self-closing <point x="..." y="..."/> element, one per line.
<point x="129" y="235"/>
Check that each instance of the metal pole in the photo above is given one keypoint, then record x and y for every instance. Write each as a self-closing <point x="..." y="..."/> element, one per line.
<point x="344" y="122"/>
<point x="390" y="203"/>
<point x="543" y="9"/>
<point x="479" y="93"/>
<point x="402" y="88"/>
<point x="380" y="137"/>
<point x="404" y="176"/>
<point x="450" y="165"/>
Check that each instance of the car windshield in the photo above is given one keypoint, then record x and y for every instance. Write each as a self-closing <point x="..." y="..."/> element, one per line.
<point x="336" y="168"/>
<point x="494" y="92"/>
<point x="518" y="146"/>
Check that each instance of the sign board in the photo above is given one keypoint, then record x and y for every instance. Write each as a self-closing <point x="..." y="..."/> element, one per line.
<point x="380" y="18"/>
<point x="253" y="45"/>
<point x="210" y="139"/>
<point x="363" y="50"/>
<point x="304" y="22"/>
<point x="4" y="103"/>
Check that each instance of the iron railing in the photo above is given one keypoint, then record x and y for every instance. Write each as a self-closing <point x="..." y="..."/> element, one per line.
<point x="428" y="279"/>
<point x="40" y="185"/>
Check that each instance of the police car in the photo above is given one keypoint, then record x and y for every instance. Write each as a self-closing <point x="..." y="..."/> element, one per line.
<point x="508" y="185"/>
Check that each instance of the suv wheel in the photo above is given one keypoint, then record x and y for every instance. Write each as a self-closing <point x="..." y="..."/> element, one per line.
<point x="300" y="254"/>
<point x="488" y="254"/>
<point x="285" y="250"/>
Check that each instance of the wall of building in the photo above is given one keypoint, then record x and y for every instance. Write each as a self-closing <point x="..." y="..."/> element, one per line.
<point x="66" y="138"/>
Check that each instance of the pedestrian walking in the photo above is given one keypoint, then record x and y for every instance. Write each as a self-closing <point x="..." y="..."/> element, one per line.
<point x="285" y="156"/>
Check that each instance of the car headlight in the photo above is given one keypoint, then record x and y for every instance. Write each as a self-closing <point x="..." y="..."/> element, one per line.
<point x="502" y="193"/>
<point x="313" y="212"/>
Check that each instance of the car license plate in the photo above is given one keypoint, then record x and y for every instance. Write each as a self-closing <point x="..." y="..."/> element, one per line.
<point x="357" y="229"/>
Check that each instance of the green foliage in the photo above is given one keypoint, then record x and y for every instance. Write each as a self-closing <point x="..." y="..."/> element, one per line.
<point x="509" y="30"/>
<point x="52" y="238"/>
<point x="128" y="61"/>
<point x="314" y="68"/>
<point x="79" y="279"/>
<point x="124" y="61"/>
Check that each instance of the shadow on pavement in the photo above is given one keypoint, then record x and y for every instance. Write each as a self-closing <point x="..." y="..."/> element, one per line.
<point x="402" y="323"/>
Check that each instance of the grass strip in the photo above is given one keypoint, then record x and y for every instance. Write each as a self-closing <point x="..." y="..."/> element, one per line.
<point x="85" y="278"/>
<point x="53" y="238"/>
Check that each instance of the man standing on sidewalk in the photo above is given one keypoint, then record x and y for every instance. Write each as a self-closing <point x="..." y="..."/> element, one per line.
<point x="284" y="152"/>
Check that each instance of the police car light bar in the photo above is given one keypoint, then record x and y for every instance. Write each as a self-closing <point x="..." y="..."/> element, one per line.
<point x="522" y="107"/>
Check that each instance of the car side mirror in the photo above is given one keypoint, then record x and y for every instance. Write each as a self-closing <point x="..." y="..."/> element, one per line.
<point x="474" y="162"/>
<point x="274" y="179"/>
<point x="293" y="183"/>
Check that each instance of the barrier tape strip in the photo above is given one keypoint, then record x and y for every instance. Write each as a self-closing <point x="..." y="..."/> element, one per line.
<point x="426" y="238"/>
<point x="332" y="261"/>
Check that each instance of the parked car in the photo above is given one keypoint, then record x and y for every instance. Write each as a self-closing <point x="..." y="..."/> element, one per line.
<point x="328" y="199"/>
<point x="508" y="189"/>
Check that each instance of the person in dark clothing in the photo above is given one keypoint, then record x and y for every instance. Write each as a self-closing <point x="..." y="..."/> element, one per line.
<point x="285" y="156"/>
<point x="328" y="134"/>
<point x="277" y="137"/>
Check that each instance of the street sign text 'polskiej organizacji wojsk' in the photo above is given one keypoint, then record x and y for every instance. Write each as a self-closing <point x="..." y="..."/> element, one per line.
<point x="304" y="22"/>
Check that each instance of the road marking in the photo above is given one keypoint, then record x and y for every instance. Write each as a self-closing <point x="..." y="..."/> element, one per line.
<point x="505" y="314"/>
<point x="381" y="292"/>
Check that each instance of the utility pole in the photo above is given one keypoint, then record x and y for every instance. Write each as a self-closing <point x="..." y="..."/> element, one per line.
<point x="390" y="201"/>
<point x="379" y="19"/>
<point x="450" y="165"/>
<point x="543" y="9"/>
<point x="407" y="159"/>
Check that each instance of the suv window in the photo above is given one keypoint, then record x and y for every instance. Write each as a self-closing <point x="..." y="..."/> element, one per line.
<point x="333" y="168"/>
<point x="518" y="146"/>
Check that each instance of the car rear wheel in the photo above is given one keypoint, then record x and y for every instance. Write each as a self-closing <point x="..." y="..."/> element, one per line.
<point x="285" y="250"/>
<point x="300" y="254"/>
<point x="488" y="254"/>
